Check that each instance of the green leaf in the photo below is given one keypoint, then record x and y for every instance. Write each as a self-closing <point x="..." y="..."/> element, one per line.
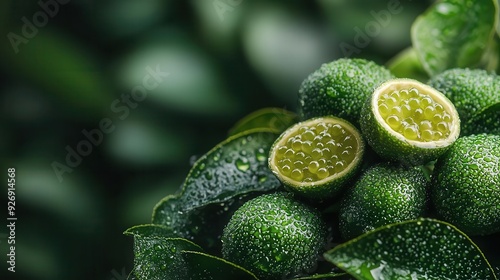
<point x="210" y="267"/>
<point x="149" y="230"/>
<point x="407" y="65"/>
<point x="322" y="276"/>
<point x="273" y="118"/>
<point x="454" y="33"/>
<point x="160" y="257"/>
<point x="217" y="183"/>
<point x="416" y="249"/>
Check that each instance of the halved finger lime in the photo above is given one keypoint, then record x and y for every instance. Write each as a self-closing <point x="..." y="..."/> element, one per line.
<point x="410" y="122"/>
<point x="316" y="157"/>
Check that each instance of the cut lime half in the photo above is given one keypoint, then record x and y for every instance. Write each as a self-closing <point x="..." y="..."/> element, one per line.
<point x="408" y="121"/>
<point x="316" y="157"/>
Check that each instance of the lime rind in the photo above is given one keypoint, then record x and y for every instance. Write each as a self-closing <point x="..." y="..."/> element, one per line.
<point x="326" y="160"/>
<point x="393" y="145"/>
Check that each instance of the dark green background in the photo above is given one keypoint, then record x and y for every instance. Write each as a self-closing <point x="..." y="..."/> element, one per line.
<point x="66" y="78"/>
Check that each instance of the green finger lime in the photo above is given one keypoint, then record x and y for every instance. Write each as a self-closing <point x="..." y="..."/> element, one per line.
<point x="466" y="184"/>
<point x="340" y="88"/>
<point x="384" y="194"/>
<point x="315" y="158"/>
<point x="407" y="121"/>
<point x="274" y="236"/>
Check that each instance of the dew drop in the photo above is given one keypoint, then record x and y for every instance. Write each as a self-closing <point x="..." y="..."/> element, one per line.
<point x="262" y="179"/>
<point x="201" y="166"/>
<point x="242" y="164"/>
<point x="261" y="155"/>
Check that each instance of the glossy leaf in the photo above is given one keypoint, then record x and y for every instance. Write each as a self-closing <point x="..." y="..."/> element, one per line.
<point x="158" y="256"/>
<point x="407" y="65"/>
<point x="454" y="33"/>
<point x="273" y="118"/>
<point x="417" y="249"/>
<point x="322" y="276"/>
<point x="216" y="182"/>
<point x="210" y="267"/>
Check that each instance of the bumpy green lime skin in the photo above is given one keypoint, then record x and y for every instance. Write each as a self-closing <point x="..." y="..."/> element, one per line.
<point x="274" y="236"/>
<point x="384" y="194"/>
<point x="340" y="88"/>
<point x="476" y="96"/>
<point x="466" y="184"/>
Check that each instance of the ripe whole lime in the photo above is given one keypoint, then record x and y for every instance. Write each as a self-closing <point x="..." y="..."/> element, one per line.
<point x="274" y="236"/>
<point x="466" y="184"/>
<point x="340" y="88"/>
<point x="384" y="194"/>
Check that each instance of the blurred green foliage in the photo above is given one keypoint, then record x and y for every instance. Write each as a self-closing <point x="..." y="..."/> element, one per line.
<point x="72" y="73"/>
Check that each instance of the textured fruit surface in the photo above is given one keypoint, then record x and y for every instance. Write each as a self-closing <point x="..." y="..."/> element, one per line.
<point x="407" y="121"/>
<point x="340" y="88"/>
<point x="317" y="156"/>
<point x="466" y="184"/>
<point x="384" y="194"/>
<point x="274" y="236"/>
<point x="476" y="96"/>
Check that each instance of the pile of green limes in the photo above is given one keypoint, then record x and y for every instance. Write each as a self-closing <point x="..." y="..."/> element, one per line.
<point x="425" y="165"/>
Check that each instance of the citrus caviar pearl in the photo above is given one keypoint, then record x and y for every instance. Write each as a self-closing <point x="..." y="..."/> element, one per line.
<point x="414" y="115"/>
